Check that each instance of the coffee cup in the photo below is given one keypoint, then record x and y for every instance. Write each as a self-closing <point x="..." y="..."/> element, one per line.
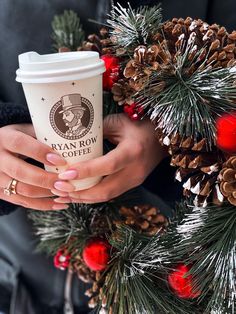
<point x="64" y="96"/>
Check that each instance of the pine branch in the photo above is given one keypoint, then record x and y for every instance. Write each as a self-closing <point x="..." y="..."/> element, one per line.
<point x="67" y="30"/>
<point x="134" y="27"/>
<point x="207" y="240"/>
<point x="57" y="228"/>
<point x="190" y="102"/>
<point x="132" y="286"/>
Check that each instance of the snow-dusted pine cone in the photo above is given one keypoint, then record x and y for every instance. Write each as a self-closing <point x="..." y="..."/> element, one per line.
<point x="228" y="180"/>
<point x="198" y="168"/>
<point x="217" y="45"/>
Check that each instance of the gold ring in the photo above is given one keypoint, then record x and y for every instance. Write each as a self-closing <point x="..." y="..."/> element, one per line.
<point x="11" y="189"/>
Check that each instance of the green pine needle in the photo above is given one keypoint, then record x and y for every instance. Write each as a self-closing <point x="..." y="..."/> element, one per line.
<point x="67" y="30"/>
<point x="207" y="240"/>
<point x="134" y="27"/>
<point x="57" y="228"/>
<point x="189" y="103"/>
<point x="134" y="287"/>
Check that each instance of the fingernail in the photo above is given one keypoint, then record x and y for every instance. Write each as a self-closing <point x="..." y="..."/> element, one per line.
<point x="55" y="159"/>
<point x="64" y="186"/>
<point x="59" y="193"/>
<point x="68" y="174"/>
<point x="60" y="206"/>
<point x="62" y="200"/>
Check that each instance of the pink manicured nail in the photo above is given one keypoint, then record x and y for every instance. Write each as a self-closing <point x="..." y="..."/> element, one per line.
<point x="60" y="206"/>
<point x="59" y="193"/>
<point x="62" y="200"/>
<point x="68" y="174"/>
<point x="64" y="186"/>
<point x="55" y="159"/>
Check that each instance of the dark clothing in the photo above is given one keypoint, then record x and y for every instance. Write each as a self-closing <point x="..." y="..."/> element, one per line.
<point x="25" y="25"/>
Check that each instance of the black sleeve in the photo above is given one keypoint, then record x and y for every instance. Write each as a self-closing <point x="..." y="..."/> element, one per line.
<point x="11" y="114"/>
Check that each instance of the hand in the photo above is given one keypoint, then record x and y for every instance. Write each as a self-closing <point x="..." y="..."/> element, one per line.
<point x="137" y="153"/>
<point x="17" y="142"/>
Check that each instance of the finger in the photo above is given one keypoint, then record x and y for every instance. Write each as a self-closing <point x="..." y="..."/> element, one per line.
<point x="109" y="188"/>
<point x="24" y="172"/>
<point x="108" y="164"/>
<point x="33" y="203"/>
<point x="25" y="189"/>
<point x="23" y="144"/>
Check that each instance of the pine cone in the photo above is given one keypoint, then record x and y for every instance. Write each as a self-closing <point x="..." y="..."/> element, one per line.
<point x="83" y="272"/>
<point x="95" y="293"/>
<point x="99" y="224"/>
<point x="215" y="41"/>
<point x="144" y="62"/>
<point x="145" y="219"/>
<point x="101" y="44"/>
<point x="198" y="169"/>
<point x="122" y="91"/>
<point x="228" y="180"/>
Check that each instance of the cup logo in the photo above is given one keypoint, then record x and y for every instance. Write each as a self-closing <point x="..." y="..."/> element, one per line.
<point x="72" y="116"/>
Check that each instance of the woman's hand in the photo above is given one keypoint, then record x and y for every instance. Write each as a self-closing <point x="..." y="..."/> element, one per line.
<point x="17" y="142"/>
<point x="137" y="153"/>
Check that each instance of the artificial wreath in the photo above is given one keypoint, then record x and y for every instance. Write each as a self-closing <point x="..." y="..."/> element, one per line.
<point x="181" y="73"/>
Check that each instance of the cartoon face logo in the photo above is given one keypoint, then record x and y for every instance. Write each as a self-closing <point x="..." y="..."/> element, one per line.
<point x="72" y="116"/>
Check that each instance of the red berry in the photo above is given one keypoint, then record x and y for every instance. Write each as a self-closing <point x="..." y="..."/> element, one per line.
<point x="181" y="284"/>
<point x="112" y="73"/>
<point x="62" y="259"/>
<point x="226" y="132"/>
<point x="134" y="117"/>
<point x="96" y="254"/>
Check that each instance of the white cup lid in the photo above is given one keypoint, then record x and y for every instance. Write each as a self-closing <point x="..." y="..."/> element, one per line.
<point x="58" y="67"/>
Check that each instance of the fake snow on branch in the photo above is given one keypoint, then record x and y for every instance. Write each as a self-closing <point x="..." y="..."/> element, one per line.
<point x="134" y="27"/>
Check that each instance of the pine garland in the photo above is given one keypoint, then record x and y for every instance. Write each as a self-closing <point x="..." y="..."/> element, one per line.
<point x="183" y="74"/>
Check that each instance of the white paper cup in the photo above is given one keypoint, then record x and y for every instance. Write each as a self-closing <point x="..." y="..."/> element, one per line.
<point x="64" y="96"/>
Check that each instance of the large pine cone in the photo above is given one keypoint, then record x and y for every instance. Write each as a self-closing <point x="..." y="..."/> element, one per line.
<point x="198" y="169"/>
<point x="210" y="42"/>
<point x="217" y="44"/>
<point x="228" y="180"/>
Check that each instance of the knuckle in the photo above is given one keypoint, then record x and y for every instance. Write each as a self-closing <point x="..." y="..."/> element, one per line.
<point x="111" y="166"/>
<point x="87" y="171"/>
<point x="105" y="196"/>
<point x="25" y="190"/>
<point x="15" y="140"/>
<point x="15" y="172"/>
<point x="138" y="150"/>
<point x="44" y="180"/>
<point x="23" y="203"/>
<point x="140" y="178"/>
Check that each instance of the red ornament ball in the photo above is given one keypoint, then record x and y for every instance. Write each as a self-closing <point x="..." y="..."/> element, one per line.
<point x="96" y="254"/>
<point x="112" y="74"/>
<point x="226" y="132"/>
<point x="62" y="259"/>
<point x="181" y="284"/>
